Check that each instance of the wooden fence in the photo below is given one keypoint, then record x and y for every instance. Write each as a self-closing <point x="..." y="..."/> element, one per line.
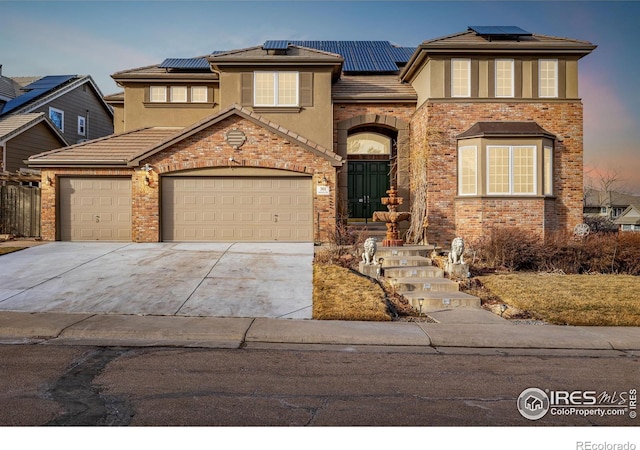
<point x="20" y="211"/>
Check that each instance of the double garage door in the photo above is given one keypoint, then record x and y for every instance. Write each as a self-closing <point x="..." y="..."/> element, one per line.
<point x="237" y="209"/>
<point x="193" y="209"/>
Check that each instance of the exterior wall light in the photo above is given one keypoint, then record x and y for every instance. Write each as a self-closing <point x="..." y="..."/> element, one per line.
<point x="147" y="168"/>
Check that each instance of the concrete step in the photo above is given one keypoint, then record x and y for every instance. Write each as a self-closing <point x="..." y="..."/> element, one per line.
<point x="413" y="272"/>
<point x="405" y="250"/>
<point x="404" y="261"/>
<point x="421" y="284"/>
<point x="440" y="300"/>
<point x="415" y="263"/>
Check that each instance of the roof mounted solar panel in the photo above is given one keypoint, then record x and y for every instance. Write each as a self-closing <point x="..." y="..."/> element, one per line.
<point x="275" y="45"/>
<point x="500" y="32"/>
<point x="185" y="63"/>
<point x="362" y="56"/>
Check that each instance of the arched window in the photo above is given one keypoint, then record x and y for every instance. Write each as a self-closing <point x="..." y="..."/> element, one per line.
<point x="368" y="143"/>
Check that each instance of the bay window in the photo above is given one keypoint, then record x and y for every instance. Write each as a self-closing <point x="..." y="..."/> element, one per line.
<point x="468" y="170"/>
<point x="519" y="167"/>
<point x="511" y="170"/>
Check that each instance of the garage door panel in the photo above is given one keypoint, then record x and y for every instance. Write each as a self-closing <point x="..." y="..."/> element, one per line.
<point x="239" y="209"/>
<point x="95" y="209"/>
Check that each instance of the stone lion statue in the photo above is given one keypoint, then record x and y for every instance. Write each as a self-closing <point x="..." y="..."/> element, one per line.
<point x="370" y="248"/>
<point x="457" y="251"/>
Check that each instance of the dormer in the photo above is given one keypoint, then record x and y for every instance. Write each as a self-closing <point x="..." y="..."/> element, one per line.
<point x="497" y="63"/>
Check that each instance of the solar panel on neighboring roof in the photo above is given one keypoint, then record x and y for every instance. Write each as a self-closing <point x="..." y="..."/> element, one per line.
<point x="500" y="31"/>
<point x="184" y="63"/>
<point x="35" y="90"/>
<point x="48" y="82"/>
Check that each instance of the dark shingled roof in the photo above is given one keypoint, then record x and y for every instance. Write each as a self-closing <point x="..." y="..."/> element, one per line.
<point x="486" y="129"/>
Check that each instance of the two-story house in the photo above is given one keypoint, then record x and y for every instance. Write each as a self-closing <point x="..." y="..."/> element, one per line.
<point x="44" y="113"/>
<point x="280" y="141"/>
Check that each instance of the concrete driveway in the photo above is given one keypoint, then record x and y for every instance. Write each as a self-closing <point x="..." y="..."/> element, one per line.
<point x="169" y="279"/>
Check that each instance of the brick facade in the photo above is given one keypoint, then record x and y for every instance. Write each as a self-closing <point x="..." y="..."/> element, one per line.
<point x="450" y="216"/>
<point x="208" y="149"/>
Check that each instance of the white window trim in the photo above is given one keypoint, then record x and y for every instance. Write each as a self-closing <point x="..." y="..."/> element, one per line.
<point x="82" y="126"/>
<point x="535" y="171"/>
<point x="152" y="100"/>
<point x="276" y="88"/>
<point x="555" y="95"/>
<point x="468" y="94"/>
<point x="61" y="112"/>
<point x="475" y="183"/>
<point x="548" y="170"/>
<point x="513" y="89"/>
<point x="206" y="94"/>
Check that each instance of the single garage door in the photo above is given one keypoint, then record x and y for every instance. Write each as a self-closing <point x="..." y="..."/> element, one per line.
<point x="237" y="209"/>
<point x="95" y="209"/>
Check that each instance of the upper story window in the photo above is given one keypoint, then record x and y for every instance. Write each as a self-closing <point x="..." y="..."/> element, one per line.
<point x="275" y="89"/>
<point x="199" y="94"/>
<point x="158" y="94"/>
<point x="178" y="94"/>
<point x="548" y="78"/>
<point x="504" y="78"/>
<point x="184" y="95"/>
<point x="57" y="117"/>
<point x="82" y="126"/>
<point x="460" y="77"/>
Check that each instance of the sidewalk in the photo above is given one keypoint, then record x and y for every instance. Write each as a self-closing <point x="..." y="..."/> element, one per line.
<point x="476" y="331"/>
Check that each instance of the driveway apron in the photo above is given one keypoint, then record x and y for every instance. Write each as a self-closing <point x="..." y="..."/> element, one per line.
<point x="185" y="279"/>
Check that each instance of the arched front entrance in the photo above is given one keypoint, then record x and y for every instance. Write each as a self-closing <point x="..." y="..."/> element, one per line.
<point x="370" y="151"/>
<point x="376" y="148"/>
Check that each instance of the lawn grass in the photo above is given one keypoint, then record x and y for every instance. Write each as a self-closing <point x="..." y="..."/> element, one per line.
<point x="595" y="300"/>
<point x="340" y="294"/>
<point x="5" y="250"/>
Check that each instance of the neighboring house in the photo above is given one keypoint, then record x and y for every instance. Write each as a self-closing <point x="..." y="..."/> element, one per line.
<point x="629" y="220"/>
<point x="23" y="135"/>
<point x="607" y="204"/>
<point x="73" y="103"/>
<point x="282" y="140"/>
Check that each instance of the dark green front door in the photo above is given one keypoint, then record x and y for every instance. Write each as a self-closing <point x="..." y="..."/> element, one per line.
<point x="368" y="182"/>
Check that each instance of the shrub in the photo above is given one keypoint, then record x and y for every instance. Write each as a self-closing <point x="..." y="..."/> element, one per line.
<point x="507" y="249"/>
<point x="343" y="247"/>
<point x="513" y="249"/>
